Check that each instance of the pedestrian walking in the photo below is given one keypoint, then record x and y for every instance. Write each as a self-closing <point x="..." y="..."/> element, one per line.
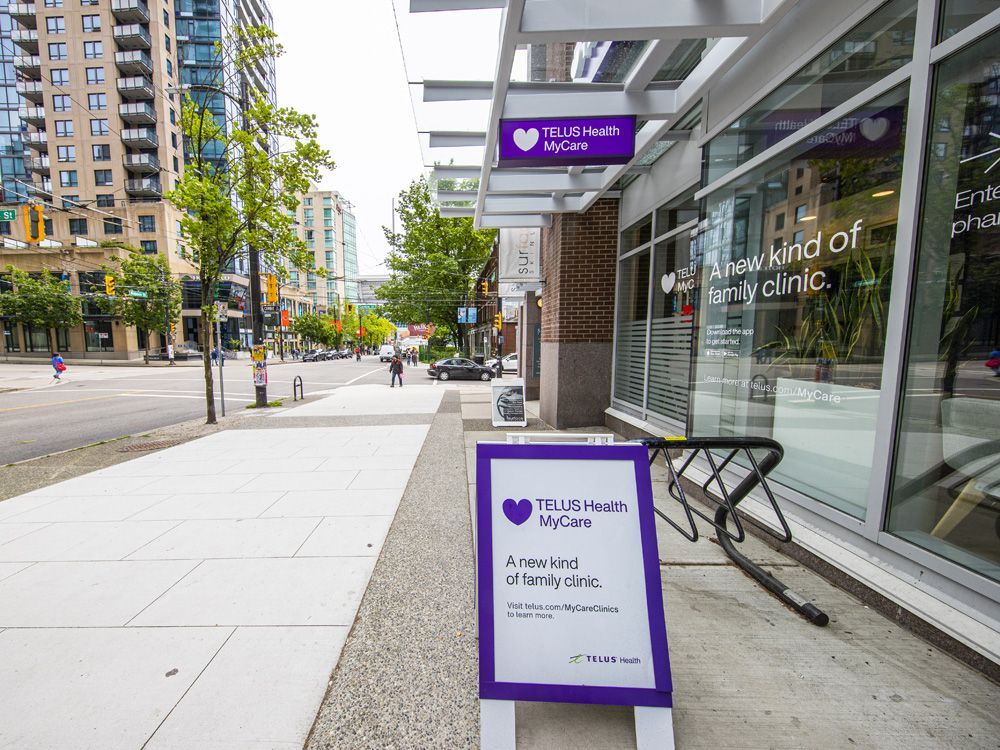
<point x="994" y="362"/>
<point x="215" y="355"/>
<point x="396" y="368"/>
<point x="357" y="353"/>
<point x="60" y="367"/>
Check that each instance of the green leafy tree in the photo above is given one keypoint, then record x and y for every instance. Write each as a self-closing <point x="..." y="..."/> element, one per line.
<point x="236" y="193"/>
<point x="377" y="330"/>
<point x="146" y="295"/>
<point x="433" y="264"/>
<point x="40" y="301"/>
<point x="315" y="328"/>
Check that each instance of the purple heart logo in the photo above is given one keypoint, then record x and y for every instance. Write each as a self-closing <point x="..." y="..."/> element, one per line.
<point x="517" y="513"/>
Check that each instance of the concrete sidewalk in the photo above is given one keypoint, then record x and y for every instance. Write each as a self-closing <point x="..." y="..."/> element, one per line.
<point x="198" y="596"/>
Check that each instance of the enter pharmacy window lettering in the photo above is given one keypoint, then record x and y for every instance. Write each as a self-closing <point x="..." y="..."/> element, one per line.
<point x="946" y="489"/>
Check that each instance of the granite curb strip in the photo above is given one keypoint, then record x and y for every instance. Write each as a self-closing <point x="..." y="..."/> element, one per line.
<point x="407" y="675"/>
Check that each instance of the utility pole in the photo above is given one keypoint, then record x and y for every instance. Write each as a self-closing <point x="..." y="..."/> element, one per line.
<point x="166" y="312"/>
<point x="256" y="314"/>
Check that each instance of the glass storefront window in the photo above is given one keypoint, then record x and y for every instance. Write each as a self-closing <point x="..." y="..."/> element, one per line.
<point x="874" y="48"/>
<point x="36" y="339"/>
<point x="957" y="14"/>
<point x="792" y="303"/>
<point x="946" y="488"/>
<point x="633" y="313"/>
<point x="637" y="235"/>
<point x="671" y="325"/>
<point x="11" y="340"/>
<point x="99" y="336"/>
<point x="62" y="339"/>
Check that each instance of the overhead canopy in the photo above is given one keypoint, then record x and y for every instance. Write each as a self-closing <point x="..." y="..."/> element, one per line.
<point x="559" y="59"/>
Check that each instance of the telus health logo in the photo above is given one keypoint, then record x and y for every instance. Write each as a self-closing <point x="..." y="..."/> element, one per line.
<point x="517" y="512"/>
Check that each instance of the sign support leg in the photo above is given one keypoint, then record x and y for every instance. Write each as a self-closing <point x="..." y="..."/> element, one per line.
<point x="496" y="725"/>
<point x="654" y="728"/>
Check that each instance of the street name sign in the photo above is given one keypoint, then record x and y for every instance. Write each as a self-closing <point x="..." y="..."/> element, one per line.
<point x="567" y="141"/>
<point x="139" y="293"/>
<point x="570" y="602"/>
<point x="8" y="214"/>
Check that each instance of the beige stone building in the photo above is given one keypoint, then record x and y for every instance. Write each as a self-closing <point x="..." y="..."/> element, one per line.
<point x="98" y="85"/>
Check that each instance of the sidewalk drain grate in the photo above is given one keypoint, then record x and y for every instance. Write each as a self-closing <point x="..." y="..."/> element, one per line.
<point x="151" y="446"/>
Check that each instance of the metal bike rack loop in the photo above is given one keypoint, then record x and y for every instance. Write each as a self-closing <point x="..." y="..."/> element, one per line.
<point x="298" y="389"/>
<point x="709" y="448"/>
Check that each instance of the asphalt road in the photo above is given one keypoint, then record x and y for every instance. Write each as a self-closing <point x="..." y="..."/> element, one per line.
<point x="101" y="403"/>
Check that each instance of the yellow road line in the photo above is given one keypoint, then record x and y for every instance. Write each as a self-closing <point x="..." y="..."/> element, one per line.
<point x="58" y="403"/>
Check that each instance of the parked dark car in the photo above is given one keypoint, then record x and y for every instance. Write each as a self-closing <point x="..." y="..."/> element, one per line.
<point x="311" y="356"/>
<point x="458" y="367"/>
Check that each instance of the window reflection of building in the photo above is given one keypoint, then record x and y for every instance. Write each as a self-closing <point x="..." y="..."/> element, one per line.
<point x="946" y="494"/>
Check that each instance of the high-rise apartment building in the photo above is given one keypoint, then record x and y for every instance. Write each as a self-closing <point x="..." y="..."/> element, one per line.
<point x="96" y="139"/>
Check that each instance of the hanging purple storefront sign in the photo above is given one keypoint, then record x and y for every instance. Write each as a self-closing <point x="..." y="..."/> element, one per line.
<point x="567" y="141"/>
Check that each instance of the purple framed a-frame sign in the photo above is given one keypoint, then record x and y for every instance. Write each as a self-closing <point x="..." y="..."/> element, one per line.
<point x="490" y="456"/>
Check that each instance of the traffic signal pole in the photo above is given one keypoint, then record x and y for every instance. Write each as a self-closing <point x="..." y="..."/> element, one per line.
<point x="257" y="318"/>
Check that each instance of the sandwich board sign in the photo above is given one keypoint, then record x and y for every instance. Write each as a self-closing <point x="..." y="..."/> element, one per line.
<point x="507" y="402"/>
<point x="570" y="603"/>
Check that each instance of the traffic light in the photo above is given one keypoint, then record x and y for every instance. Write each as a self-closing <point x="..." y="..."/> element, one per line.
<point x="498" y="321"/>
<point x="484" y="287"/>
<point x="272" y="289"/>
<point x="109" y="285"/>
<point x="349" y="307"/>
<point x="173" y="328"/>
<point x="39" y="223"/>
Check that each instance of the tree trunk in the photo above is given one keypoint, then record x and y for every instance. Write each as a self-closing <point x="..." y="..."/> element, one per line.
<point x="206" y="357"/>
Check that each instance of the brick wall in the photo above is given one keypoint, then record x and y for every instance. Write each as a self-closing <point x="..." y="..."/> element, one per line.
<point x="579" y="252"/>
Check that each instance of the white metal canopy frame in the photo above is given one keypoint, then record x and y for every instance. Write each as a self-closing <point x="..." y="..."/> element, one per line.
<point x="527" y="197"/>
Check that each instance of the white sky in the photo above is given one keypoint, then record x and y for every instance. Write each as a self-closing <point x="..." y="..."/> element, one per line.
<point x="343" y="64"/>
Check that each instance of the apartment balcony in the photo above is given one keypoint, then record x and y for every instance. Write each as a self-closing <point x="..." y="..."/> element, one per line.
<point x="31" y="90"/>
<point x="23" y="13"/>
<point x="140" y="137"/>
<point x="26" y="39"/>
<point x="38" y="164"/>
<point x="38" y="141"/>
<point x="134" y="62"/>
<point x="132" y="36"/>
<point x="29" y="65"/>
<point x="145" y="187"/>
<point x="137" y="113"/>
<point x="130" y="11"/>
<point x="135" y="87"/>
<point x="142" y="163"/>
<point x="32" y="115"/>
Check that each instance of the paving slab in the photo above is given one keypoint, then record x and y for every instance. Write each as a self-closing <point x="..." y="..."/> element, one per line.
<point x="230" y="538"/>
<point x="99" y="540"/>
<point x="261" y="690"/>
<point x="316" y="480"/>
<point x="372" y="400"/>
<point x="318" y="503"/>
<point x="95" y="688"/>
<point x="15" y="530"/>
<point x="209" y="505"/>
<point x="380" y="479"/>
<point x="275" y="591"/>
<point x="9" y="569"/>
<point x="359" y="536"/>
<point x="85" y="594"/>
<point x="70" y="508"/>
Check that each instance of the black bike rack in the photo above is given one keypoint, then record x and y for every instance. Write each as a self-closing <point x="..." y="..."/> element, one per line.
<point x="298" y="390"/>
<point x="710" y="448"/>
